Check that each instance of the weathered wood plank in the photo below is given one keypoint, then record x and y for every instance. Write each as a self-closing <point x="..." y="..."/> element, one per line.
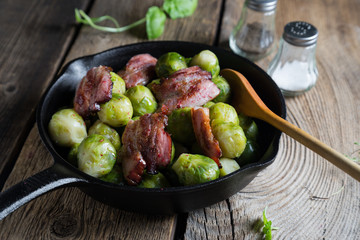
<point x="68" y="213"/>
<point x="307" y="197"/>
<point x="34" y="36"/>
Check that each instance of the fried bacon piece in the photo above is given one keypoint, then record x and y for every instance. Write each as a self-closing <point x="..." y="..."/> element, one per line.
<point x="139" y="70"/>
<point x="95" y="88"/>
<point x="146" y="145"/>
<point x="201" y="123"/>
<point x="189" y="87"/>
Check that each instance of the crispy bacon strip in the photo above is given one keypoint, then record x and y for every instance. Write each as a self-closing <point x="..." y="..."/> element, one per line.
<point x="189" y="87"/>
<point x="139" y="70"/>
<point x="146" y="145"/>
<point x="204" y="136"/>
<point x="95" y="88"/>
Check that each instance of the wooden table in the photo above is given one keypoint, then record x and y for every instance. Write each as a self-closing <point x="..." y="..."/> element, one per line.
<point x="307" y="197"/>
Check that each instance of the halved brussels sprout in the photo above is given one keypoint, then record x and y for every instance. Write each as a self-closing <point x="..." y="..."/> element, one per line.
<point x="223" y="112"/>
<point x="117" y="112"/>
<point x="119" y="85"/>
<point x="224" y="87"/>
<point x="207" y="61"/>
<point x="96" y="155"/>
<point x="114" y="176"/>
<point x="180" y="126"/>
<point x="169" y="63"/>
<point x="154" y="181"/>
<point x="231" y="138"/>
<point x="142" y="100"/>
<point x="103" y="129"/>
<point x="194" y="169"/>
<point x="66" y="128"/>
<point x="228" y="166"/>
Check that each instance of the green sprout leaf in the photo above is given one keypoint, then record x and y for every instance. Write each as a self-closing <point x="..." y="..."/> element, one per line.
<point x="179" y="8"/>
<point x="265" y="224"/>
<point x="155" y="18"/>
<point x="155" y="22"/>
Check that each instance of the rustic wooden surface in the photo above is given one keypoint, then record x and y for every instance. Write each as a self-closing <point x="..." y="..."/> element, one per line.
<point x="307" y="197"/>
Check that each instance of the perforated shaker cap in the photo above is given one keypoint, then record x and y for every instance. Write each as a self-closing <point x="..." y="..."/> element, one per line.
<point x="261" y="5"/>
<point x="300" y="33"/>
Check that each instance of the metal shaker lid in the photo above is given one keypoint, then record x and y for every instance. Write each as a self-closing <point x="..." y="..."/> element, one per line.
<point x="300" y="33"/>
<point x="261" y="5"/>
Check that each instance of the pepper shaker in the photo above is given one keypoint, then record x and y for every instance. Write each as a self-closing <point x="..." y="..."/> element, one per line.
<point x="294" y="66"/>
<point x="253" y="36"/>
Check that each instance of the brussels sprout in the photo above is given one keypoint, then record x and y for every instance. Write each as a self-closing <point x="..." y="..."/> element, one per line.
<point x="114" y="176"/>
<point x="231" y="138"/>
<point x="102" y="129"/>
<point x="244" y="120"/>
<point x="169" y="63"/>
<point x="119" y="85"/>
<point x="224" y="87"/>
<point x="72" y="155"/>
<point x="154" y="181"/>
<point x="223" y="112"/>
<point x="250" y="154"/>
<point x="208" y="104"/>
<point x="172" y="153"/>
<point x="135" y="118"/>
<point x="207" y="61"/>
<point x="193" y="169"/>
<point x="180" y="126"/>
<point x="152" y="83"/>
<point x="67" y="128"/>
<point x="96" y="155"/>
<point x="142" y="100"/>
<point x="228" y="166"/>
<point x="249" y="126"/>
<point x="117" y="112"/>
<point x="252" y="132"/>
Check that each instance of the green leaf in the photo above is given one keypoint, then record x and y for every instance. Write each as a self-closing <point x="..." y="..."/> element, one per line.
<point x="155" y="22"/>
<point x="267" y="226"/>
<point x="180" y="8"/>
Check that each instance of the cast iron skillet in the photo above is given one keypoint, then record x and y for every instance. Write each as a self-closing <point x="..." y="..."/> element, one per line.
<point x="153" y="201"/>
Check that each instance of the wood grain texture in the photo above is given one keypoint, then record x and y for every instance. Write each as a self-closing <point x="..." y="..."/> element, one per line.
<point x="34" y="36"/>
<point x="69" y="213"/>
<point x="307" y="197"/>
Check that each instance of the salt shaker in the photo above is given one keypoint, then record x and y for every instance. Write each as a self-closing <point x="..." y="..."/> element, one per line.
<point x="294" y="66"/>
<point x="253" y="36"/>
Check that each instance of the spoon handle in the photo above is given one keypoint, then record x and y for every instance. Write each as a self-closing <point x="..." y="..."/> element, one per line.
<point x="333" y="156"/>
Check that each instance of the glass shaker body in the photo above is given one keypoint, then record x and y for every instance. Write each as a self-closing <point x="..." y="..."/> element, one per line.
<point x="254" y="35"/>
<point x="294" y="66"/>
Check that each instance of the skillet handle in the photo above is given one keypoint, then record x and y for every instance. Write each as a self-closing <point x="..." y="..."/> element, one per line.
<point x="34" y="186"/>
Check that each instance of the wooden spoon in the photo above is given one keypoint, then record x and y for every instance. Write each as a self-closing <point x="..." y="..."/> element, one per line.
<point x="249" y="103"/>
